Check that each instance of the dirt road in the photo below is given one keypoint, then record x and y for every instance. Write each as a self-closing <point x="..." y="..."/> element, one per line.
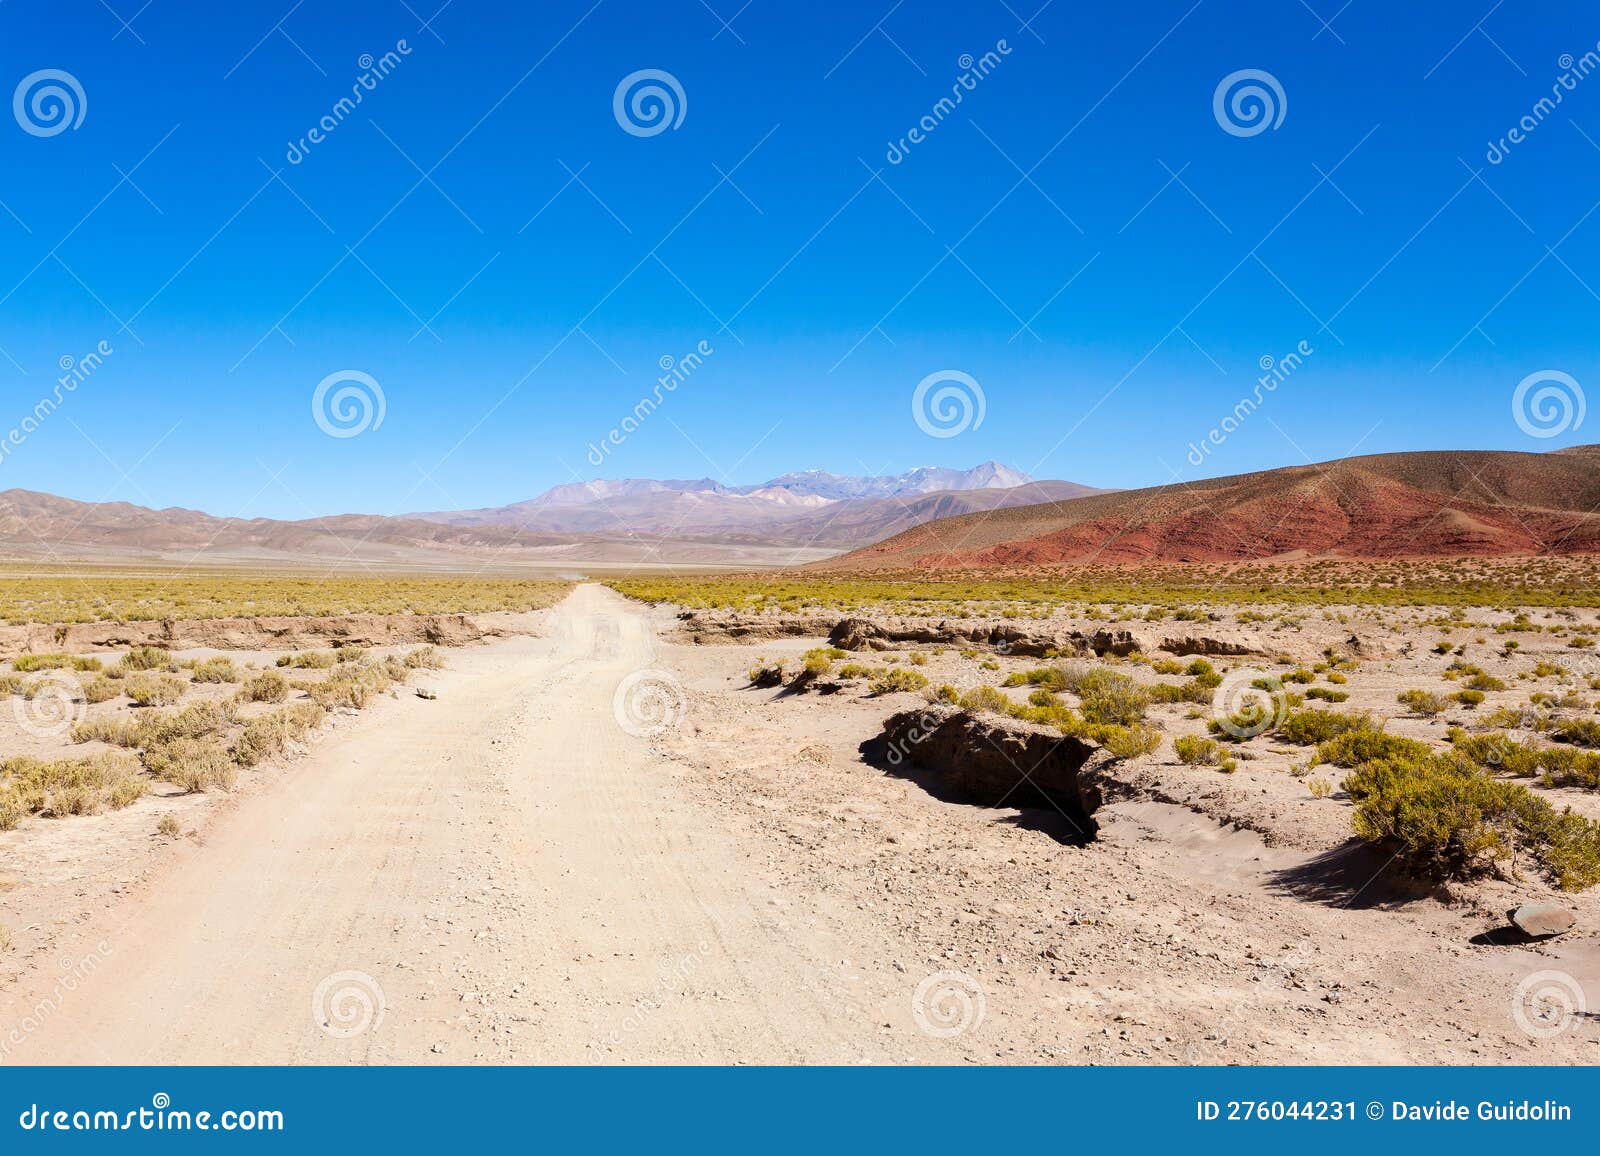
<point x="504" y="875"/>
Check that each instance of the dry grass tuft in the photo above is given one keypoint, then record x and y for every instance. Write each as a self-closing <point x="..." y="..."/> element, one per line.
<point x="107" y="780"/>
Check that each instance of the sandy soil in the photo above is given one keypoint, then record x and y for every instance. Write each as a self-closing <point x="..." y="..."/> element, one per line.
<point x="506" y="874"/>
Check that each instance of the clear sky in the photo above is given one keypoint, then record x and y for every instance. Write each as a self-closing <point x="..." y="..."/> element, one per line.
<point x="1084" y="235"/>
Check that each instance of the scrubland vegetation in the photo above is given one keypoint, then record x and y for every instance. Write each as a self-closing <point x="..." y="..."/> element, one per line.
<point x="198" y="747"/>
<point x="1166" y="592"/>
<point x="87" y="595"/>
<point x="1461" y="805"/>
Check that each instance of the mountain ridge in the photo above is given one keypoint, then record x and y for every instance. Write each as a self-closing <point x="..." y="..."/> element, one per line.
<point x="1424" y="503"/>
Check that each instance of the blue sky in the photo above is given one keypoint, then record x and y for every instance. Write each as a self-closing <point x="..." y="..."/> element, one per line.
<point x="1081" y="237"/>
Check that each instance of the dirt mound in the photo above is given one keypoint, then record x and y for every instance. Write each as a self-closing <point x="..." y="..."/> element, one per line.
<point x="248" y="633"/>
<point x="998" y="761"/>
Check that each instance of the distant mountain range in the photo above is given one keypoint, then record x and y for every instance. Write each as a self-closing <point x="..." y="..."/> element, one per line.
<point x="810" y="508"/>
<point x="1466" y="503"/>
<point x="1404" y="505"/>
<point x="795" y="518"/>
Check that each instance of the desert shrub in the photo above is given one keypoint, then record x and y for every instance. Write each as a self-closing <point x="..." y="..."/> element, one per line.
<point x="309" y="660"/>
<point x="1579" y="732"/>
<point x="351" y="651"/>
<point x="1307" y="727"/>
<point x="101" y="689"/>
<point x="1110" y="697"/>
<point x="28" y="663"/>
<point x="1483" y="682"/>
<point x="1167" y="666"/>
<point x="10" y="683"/>
<point x="1468" y="698"/>
<point x="818" y="661"/>
<point x="353" y="684"/>
<point x="109" y="780"/>
<point x="1423" y="702"/>
<point x="147" y="689"/>
<point x="1518" y="718"/>
<point x="268" y="686"/>
<point x="1337" y="678"/>
<point x="898" y="679"/>
<point x="1445" y="820"/>
<point x="1357" y="746"/>
<point x="429" y="658"/>
<point x="157" y="727"/>
<point x="1557" y="766"/>
<point x="1300" y="675"/>
<point x="1196" y="751"/>
<point x="986" y="698"/>
<point x="218" y="669"/>
<point x="268" y="734"/>
<point x="766" y="674"/>
<point x="119" y="732"/>
<point x="1192" y="691"/>
<point x="169" y="827"/>
<point x="851" y="670"/>
<point x="1123" y="742"/>
<point x="148" y="658"/>
<point x="947" y="693"/>
<point x="193" y="764"/>
<point x="1319" y="788"/>
<point x="33" y="688"/>
<point x="1326" y="695"/>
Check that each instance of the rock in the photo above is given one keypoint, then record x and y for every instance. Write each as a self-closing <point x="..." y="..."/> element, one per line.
<point x="991" y="759"/>
<point x="1203" y="645"/>
<point x="1118" y="642"/>
<point x="424" y="692"/>
<point x="857" y="634"/>
<point x="1542" y="920"/>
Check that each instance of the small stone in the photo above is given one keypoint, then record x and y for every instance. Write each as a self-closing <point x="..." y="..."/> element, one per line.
<point x="1542" y="920"/>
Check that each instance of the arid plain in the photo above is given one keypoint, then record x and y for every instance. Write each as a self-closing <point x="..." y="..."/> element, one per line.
<point x="1172" y="815"/>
